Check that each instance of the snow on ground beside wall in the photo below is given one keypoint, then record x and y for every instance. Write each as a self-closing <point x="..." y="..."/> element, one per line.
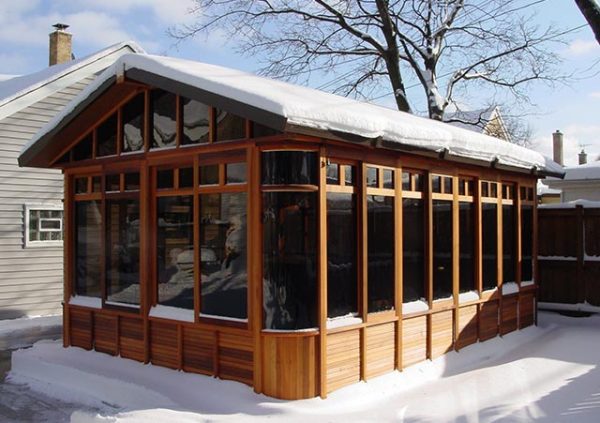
<point x="549" y="373"/>
<point x="22" y="332"/>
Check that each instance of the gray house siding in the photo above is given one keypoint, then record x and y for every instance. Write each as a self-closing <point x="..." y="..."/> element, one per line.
<point x="30" y="277"/>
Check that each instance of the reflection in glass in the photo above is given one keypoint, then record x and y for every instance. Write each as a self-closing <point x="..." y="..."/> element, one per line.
<point x="175" y="251"/>
<point x="380" y="221"/>
<point x="196" y="117"/>
<point x="229" y="126"/>
<point x="509" y="256"/>
<point x="448" y="185"/>
<point x="132" y="181"/>
<point x="333" y="174"/>
<point x="372" y="177"/>
<point x="236" y="173"/>
<point x="406" y="181"/>
<point x="289" y="260"/>
<point x="489" y="236"/>
<point x="112" y="183"/>
<point x="413" y="254"/>
<point x="259" y="130"/>
<point x="466" y="222"/>
<point x="88" y="242"/>
<point x="436" y="183"/>
<point x="83" y="149"/>
<point x="223" y="255"/>
<point x="133" y="124"/>
<point x="349" y="175"/>
<point x="526" y="243"/>
<point x="96" y="183"/>
<point x="209" y="175"/>
<point x="164" y="118"/>
<point x="289" y="167"/>
<point x="342" y="285"/>
<point x="123" y="251"/>
<point x="442" y="249"/>
<point x="388" y="178"/>
<point x="81" y="185"/>
<point x="106" y="137"/>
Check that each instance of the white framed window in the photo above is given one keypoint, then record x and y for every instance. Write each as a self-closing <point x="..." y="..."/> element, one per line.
<point x="43" y="225"/>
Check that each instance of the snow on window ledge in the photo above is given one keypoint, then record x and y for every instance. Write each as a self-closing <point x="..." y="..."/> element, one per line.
<point x="229" y="319"/>
<point x="527" y="283"/>
<point x="510" y="288"/>
<point x="465" y="297"/>
<point x="414" y="307"/>
<point x="341" y="321"/>
<point x="85" y="301"/>
<point x="172" y="313"/>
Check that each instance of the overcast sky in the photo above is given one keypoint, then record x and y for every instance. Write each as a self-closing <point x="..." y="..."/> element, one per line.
<point x="95" y="24"/>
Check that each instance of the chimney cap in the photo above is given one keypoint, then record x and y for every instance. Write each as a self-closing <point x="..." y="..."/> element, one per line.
<point x="60" y="26"/>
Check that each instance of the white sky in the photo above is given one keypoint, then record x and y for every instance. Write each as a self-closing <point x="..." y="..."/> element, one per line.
<point x="24" y="26"/>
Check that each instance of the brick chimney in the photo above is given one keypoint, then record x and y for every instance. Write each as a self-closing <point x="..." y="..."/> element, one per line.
<point x="582" y="157"/>
<point x="60" y="45"/>
<point x="557" y="147"/>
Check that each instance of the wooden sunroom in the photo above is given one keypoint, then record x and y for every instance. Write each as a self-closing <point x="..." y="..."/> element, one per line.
<point x="226" y="224"/>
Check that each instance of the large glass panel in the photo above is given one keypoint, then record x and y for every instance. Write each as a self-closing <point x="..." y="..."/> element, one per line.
<point x="466" y="222"/>
<point x="342" y="282"/>
<point x="229" y="126"/>
<point x="88" y="248"/>
<point x="380" y="221"/>
<point x="509" y="256"/>
<point x="196" y="119"/>
<point x="442" y="249"/>
<point x="290" y="260"/>
<point x="289" y="167"/>
<point x="164" y="118"/>
<point x="83" y="149"/>
<point x="489" y="244"/>
<point x="223" y="255"/>
<point x="106" y="137"/>
<point x="526" y="243"/>
<point x="123" y="251"/>
<point x="133" y="124"/>
<point x="236" y="173"/>
<point x="413" y="258"/>
<point x="175" y="251"/>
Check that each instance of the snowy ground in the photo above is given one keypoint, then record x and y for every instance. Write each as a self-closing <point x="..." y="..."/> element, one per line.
<point x="549" y="374"/>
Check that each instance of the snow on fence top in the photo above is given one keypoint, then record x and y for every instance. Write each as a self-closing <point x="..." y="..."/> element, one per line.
<point x="310" y="109"/>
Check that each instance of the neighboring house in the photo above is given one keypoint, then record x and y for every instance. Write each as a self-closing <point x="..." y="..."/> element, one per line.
<point x="581" y="182"/>
<point x="31" y="247"/>
<point x="487" y="121"/>
<point x="547" y="195"/>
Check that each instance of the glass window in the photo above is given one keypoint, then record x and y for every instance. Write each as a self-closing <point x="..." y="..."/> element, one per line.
<point x="44" y="226"/>
<point x="333" y="174"/>
<point x="406" y="181"/>
<point x="442" y="249"/>
<point x="342" y="282"/>
<point x="196" y="117"/>
<point x="175" y="251"/>
<point x="419" y="180"/>
<point x="289" y="167"/>
<point x="223" y="255"/>
<point x="380" y="220"/>
<point x="413" y="258"/>
<point x="83" y="149"/>
<point x="186" y="177"/>
<point x="290" y="260"/>
<point x="436" y="183"/>
<point x="132" y="181"/>
<point x="113" y="183"/>
<point x="164" y="118"/>
<point x="372" y="177"/>
<point x="236" y="173"/>
<point x="489" y="244"/>
<point x="229" y="126"/>
<point x="165" y="179"/>
<point x="133" y="124"/>
<point x="81" y="185"/>
<point x="509" y="256"/>
<point x="96" y="184"/>
<point x="388" y="178"/>
<point x="122" y="251"/>
<point x="485" y="189"/>
<point x="88" y="248"/>
<point x="526" y="243"/>
<point x="259" y="130"/>
<point x="209" y="175"/>
<point x="466" y="221"/>
<point x="106" y="137"/>
<point x="448" y="185"/>
<point x="349" y="175"/>
<point x="493" y="189"/>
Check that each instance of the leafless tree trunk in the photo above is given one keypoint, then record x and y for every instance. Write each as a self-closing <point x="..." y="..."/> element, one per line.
<point x="591" y="12"/>
<point x="446" y="46"/>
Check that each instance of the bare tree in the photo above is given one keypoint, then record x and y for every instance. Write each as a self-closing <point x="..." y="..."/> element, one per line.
<point x="446" y="46"/>
<point x="591" y="12"/>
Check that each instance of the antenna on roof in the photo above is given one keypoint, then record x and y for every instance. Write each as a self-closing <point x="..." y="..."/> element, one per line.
<point x="60" y="26"/>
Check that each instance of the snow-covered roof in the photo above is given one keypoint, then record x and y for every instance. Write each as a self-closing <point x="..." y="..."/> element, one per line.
<point x="18" y="86"/>
<point x="544" y="189"/>
<point x="589" y="171"/>
<point x="303" y="110"/>
<point x="4" y="77"/>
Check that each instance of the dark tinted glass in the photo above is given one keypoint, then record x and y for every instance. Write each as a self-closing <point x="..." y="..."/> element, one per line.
<point x="372" y="177"/>
<point x="175" y="251"/>
<point x="349" y="175"/>
<point x="113" y="182"/>
<point x="229" y="126"/>
<point x="509" y="256"/>
<point x="436" y="183"/>
<point x="333" y="173"/>
<point x="485" y="189"/>
<point x="83" y="149"/>
<point x="489" y="247"/>
<point x="526" y="243"/>
<point x="133" y="124"/>
<point x="209" y="175"/>
<point x="289" y="260"/>
<point x="413" y="258"/>
<point x="419" y="179"/>
<point x="406" y="181"/>
<point x="380" y="220"/>
<point x="262" y="131"/>
<point x="96" y="184"/>
<point x="165" y="179"/>
<point x="342" y="285"/>
<point x="462" y="187"/>
<point x="493" y="189"/>
<point x="106" y="137"/>
<point x="81" y="185"/>
<point x="289" y="167"/>
<point x="223" y="255"/>
<point x="164" y="118"/>
<point x="196" y="119"/>
<point x="448" y="185"/>
<point x="88" y="251"/>
<point x="467" y="246"/>
<point x="186" y="177"/>
<point x="388" y="178"/>
<point x="132" y="181"/>
<point x="122" y="251"/>
<point x="236" y="173"/>
<point x="442" y="249"/>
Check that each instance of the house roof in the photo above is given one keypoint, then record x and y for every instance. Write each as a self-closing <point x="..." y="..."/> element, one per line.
<point x="298" y="109"/>
<point x="16" y="87"/>
<point x="586" y="173"/>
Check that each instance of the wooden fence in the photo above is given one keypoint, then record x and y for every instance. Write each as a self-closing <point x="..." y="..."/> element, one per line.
<point x="569" y="256"/>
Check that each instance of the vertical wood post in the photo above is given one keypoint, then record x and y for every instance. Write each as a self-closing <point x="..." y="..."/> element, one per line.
<point x="429" y="257"/>
<point x="322" y="274"/>
<point x="478" y="248"/>
<point x="455" y="260"/>
<point x="364" y="271"/>
<point x="146" y="255"/>
<point x="68" y="253"/>
<point x="398" y="252"/>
